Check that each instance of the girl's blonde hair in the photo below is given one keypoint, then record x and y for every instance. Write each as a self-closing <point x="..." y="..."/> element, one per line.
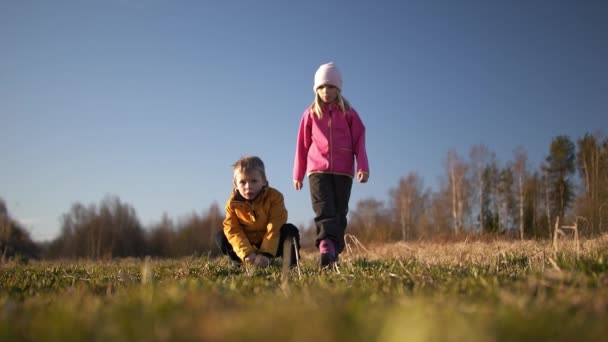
<point x="317" y="105"/>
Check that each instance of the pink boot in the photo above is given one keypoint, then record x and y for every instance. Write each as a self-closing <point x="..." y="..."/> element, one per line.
<point x="327" y="248"/>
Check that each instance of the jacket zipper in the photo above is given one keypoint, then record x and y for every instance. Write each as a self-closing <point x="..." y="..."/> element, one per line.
<point x="330" y="144"/>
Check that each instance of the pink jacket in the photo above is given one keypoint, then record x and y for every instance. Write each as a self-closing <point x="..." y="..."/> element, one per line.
<point x="330" y="144"/>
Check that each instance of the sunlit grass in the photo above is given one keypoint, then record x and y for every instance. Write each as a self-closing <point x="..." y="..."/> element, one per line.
<point x="422" y="291"/>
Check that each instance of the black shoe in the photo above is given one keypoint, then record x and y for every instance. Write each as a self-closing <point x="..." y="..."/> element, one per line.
<point x="327" y="259"/>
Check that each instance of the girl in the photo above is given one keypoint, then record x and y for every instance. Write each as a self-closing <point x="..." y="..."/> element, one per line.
<point x="331" y="136"/>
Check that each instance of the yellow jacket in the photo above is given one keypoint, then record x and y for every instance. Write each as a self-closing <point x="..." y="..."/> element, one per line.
<point x="255" y="226"/>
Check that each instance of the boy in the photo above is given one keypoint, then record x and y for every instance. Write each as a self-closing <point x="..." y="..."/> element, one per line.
<point x="255" y="227"/>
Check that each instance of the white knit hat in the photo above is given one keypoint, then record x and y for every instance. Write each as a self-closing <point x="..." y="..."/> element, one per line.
<point x="328" y="74"/>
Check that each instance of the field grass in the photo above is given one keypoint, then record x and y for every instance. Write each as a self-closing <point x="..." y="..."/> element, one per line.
<point x="420" y="291"/>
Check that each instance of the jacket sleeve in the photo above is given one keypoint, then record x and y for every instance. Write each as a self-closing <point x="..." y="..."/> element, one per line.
<point x="276" y="219"/>
<point x="235" y="234"/>
<point x="358" y="135"/>
<point x="302" y="145"/>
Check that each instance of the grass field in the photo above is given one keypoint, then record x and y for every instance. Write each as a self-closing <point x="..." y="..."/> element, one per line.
<point x="420" y="291"/>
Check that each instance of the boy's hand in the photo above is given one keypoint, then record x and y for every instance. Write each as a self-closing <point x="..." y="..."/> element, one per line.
<point x="262" y="261"/>
<point x="297" y="185"/>
<point x="362" y="177"/>
<point x="250" y="258"/>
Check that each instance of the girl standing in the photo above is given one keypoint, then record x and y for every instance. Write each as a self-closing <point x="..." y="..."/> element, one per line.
<point x="331" y="137"/>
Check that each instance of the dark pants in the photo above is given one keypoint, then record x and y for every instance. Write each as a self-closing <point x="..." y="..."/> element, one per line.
<point x="330" y="195"/>
<point x="288" y="232"/>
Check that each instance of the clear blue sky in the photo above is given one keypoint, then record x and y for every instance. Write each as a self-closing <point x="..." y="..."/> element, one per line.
<point x="153" y="100"/>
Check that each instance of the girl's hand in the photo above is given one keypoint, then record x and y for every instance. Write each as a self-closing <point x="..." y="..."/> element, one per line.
<point x="362" y="177"/>
<point x="262" y="261"/>
<point x="297" y="185"/>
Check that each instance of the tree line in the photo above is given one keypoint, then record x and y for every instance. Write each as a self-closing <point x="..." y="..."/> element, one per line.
<point x="112" y="230"/>
<point x="477" y="195"/>
<point x="15" y="241"/>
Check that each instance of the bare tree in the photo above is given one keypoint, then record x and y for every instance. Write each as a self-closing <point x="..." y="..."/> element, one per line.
<point x="533" y="212"/>
<point x="491" y="207"/>
<point x="480" y="157"/>
<point x="110" y="230"/>
<point x="591" y="159"/>
<point x="437" y="220"/>
<point x="215" y="221"/>
<point x="457" y="169"/>
<point x="14" y="239"/>
<point x="547" y="202"/>
<point x="3" y="209"/>
<point x="408" y="202"/>
<point x="160" y="238"/>
<point x="506" y="199"/>
<point x="519" y="168"/>
<point x="369" y="221"/>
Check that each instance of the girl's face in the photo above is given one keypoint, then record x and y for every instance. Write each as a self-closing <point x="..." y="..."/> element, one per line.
<point x="249" y="184"/>
<point x="327" y="93"/>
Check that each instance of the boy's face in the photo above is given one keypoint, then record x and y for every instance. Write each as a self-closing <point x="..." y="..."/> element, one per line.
<point x="249" y="184"/>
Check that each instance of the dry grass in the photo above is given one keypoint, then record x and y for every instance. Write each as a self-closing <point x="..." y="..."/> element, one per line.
<point x="475" y="252"/>
<point x="468" y="290"/>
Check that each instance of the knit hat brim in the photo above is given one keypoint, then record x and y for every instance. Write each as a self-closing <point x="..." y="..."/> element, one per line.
<point x="328" y="74"/>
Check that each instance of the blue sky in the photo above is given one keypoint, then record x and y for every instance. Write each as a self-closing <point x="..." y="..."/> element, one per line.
<point x="152" y="101"/>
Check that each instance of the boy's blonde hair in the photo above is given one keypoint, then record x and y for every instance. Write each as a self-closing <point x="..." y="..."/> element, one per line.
<point x="249" y="163"/>
<point x="317" y="105"/>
